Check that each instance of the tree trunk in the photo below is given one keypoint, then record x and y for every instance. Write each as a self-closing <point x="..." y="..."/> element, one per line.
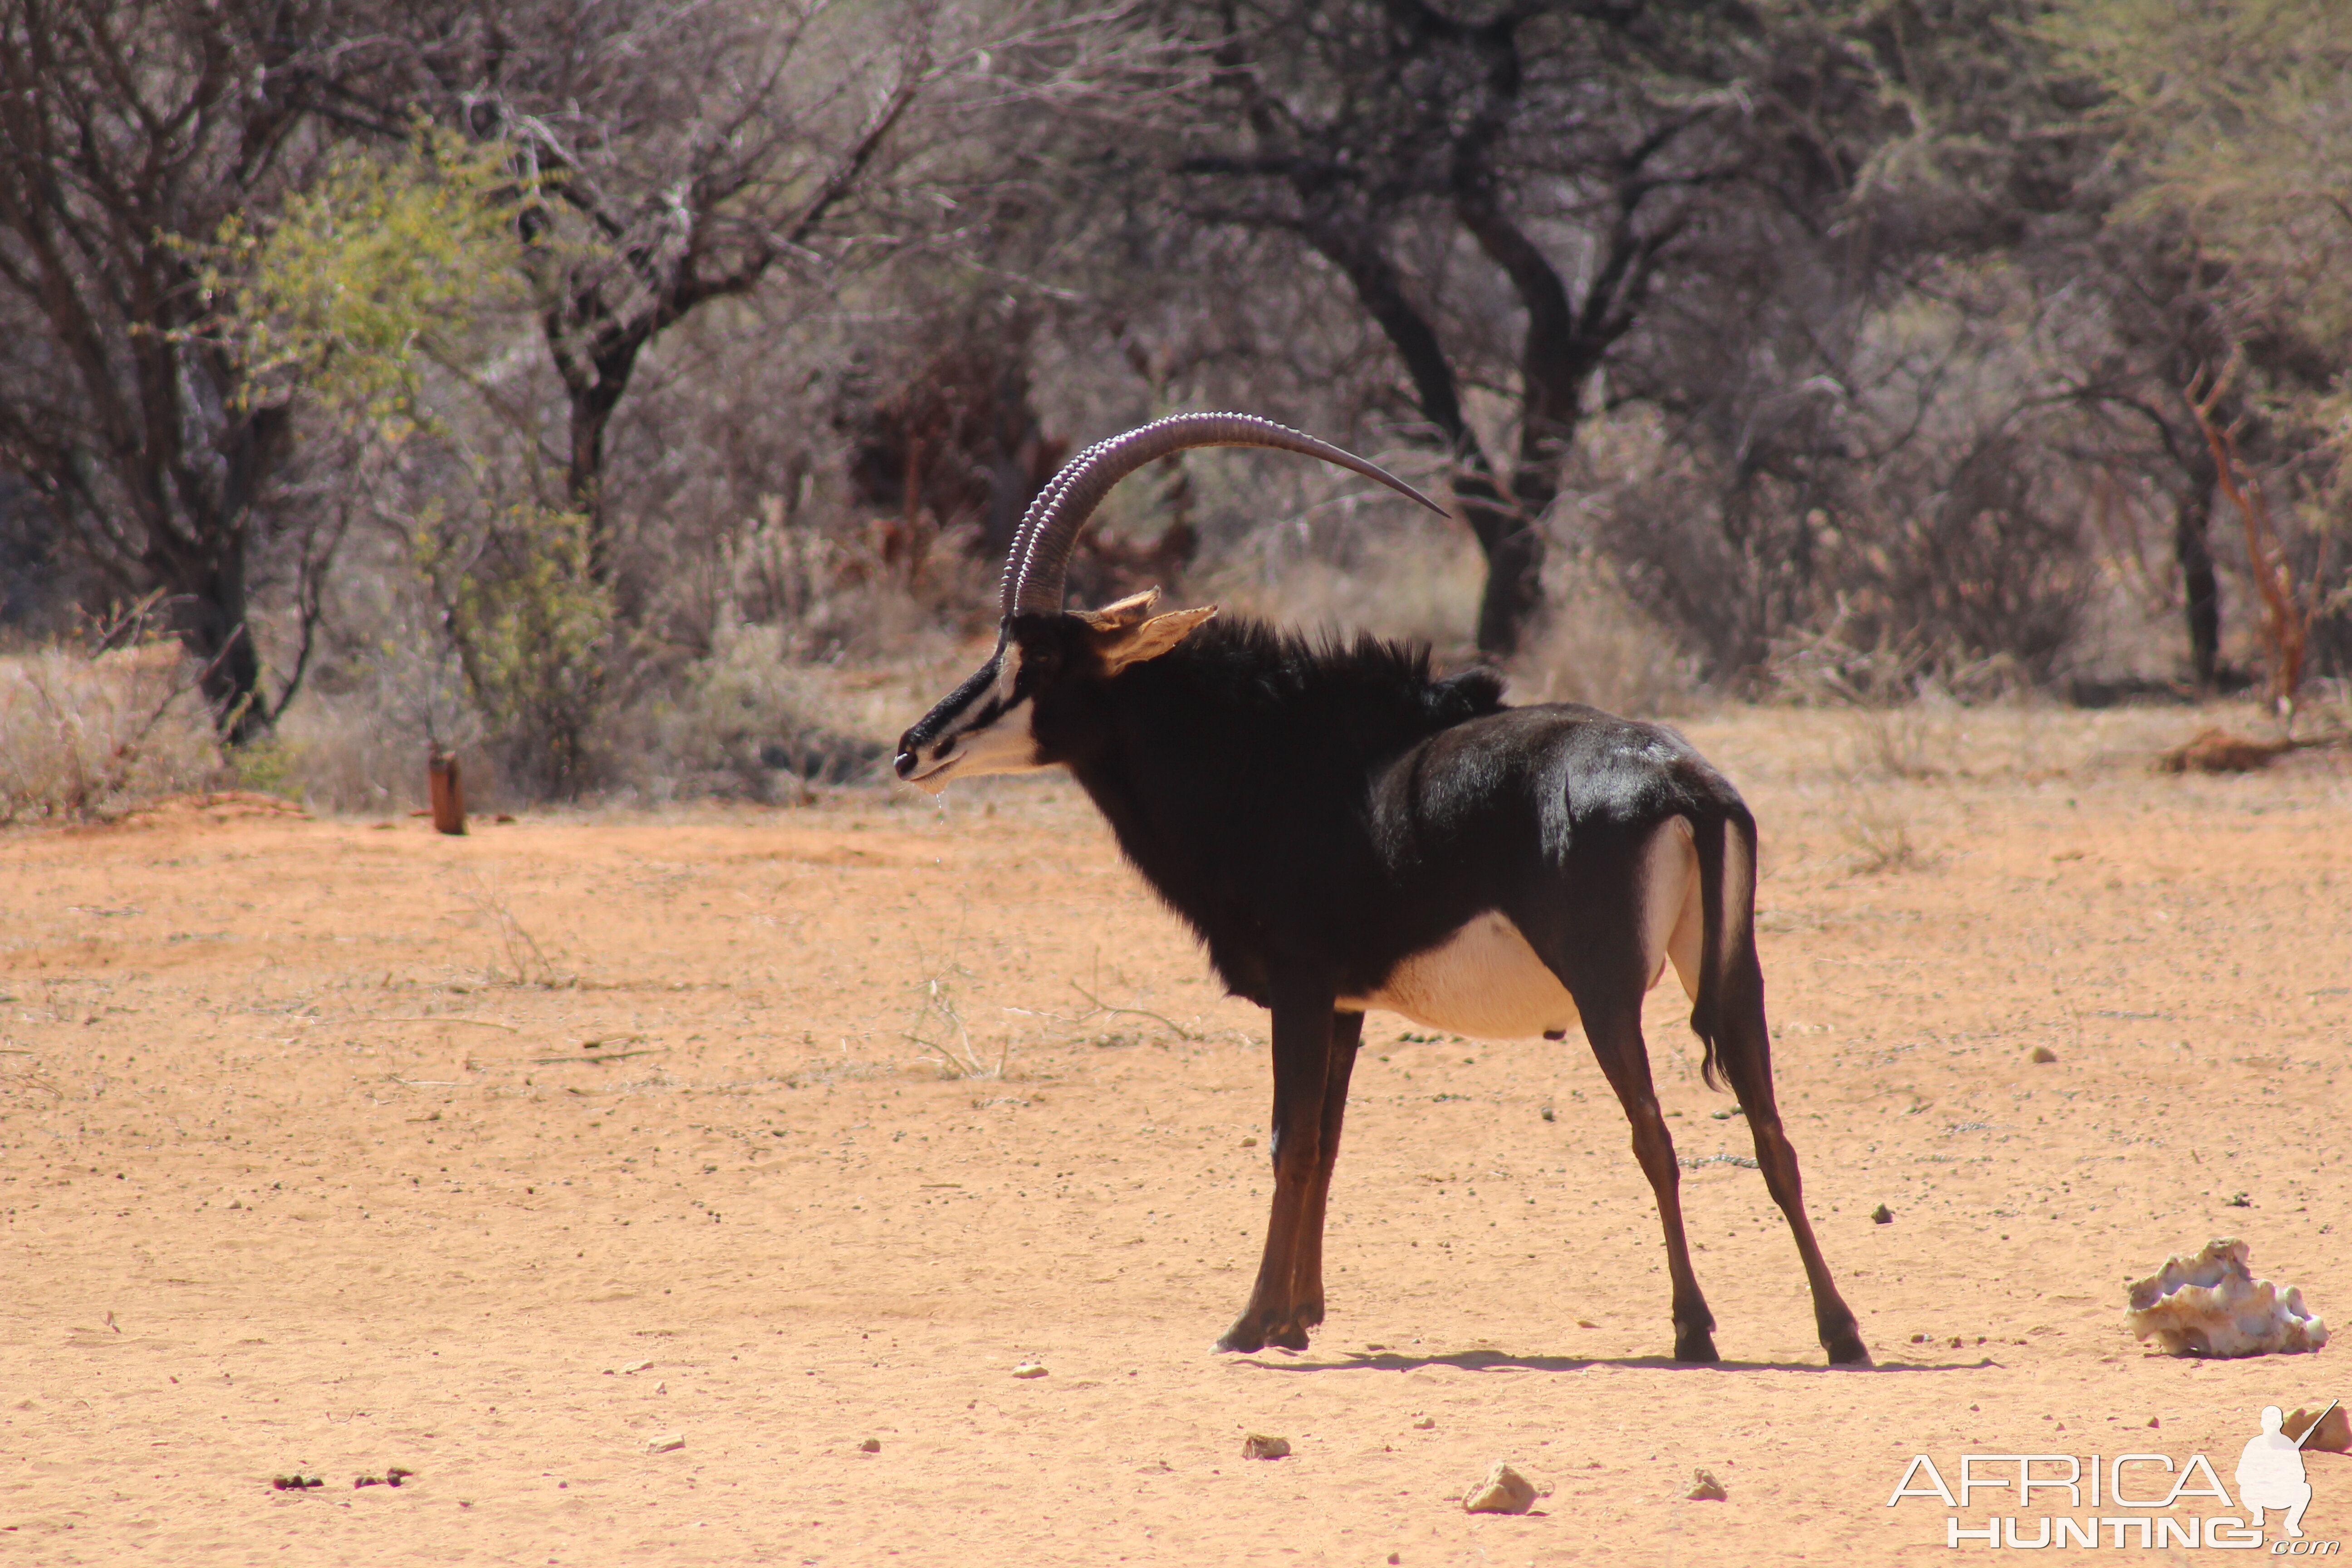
<point x="593" y="391"/>
<point x="209" y="615"/>
<point x="1507" y="534"/>
<point x="1514" y="592"/>
<point x="2199" y="590"/>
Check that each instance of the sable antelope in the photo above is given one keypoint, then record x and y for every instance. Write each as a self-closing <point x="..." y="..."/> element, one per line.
<point x="1344" y="832"/>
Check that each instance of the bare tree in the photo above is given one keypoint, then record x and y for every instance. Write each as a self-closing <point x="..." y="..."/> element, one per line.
<point x="129" y="130"/>
<point x="688" y="147"/>
<point x="1579" y="150"/>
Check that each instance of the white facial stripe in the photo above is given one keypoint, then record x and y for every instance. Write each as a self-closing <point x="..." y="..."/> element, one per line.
<point x="991" y="736"/>
<point x="1004" y="747"/>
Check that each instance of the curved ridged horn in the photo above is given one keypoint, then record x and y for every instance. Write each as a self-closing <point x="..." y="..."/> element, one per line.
<point x="1040" y="560"/>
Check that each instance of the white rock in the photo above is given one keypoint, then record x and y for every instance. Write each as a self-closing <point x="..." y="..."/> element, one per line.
<point x="1704" y="1488"/>
<point x="669" y="1443"/>
<point x="2211" y="1305"/>
<point x="1029" y="1369"/>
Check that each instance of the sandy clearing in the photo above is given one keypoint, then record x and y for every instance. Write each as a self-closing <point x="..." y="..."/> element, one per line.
<point x="276" y="1099"/>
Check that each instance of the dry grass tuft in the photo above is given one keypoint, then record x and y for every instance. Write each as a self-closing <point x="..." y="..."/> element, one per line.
<point x="90" y="739"/>
<point x="1878" y="834"/>
<point x="526" y="963"/>
<point x="939" y="1029"/>
<point x="1916" y="741"/>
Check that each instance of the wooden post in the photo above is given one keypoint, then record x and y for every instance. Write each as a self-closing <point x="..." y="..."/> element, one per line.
<point x="448" y="792"/>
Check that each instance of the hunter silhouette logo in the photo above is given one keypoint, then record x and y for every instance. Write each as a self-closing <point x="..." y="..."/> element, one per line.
<point x="2128" y="1499"/>
<point x="2270" y="1472"/>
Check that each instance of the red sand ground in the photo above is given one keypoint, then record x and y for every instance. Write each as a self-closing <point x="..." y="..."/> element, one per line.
<point x="305" y="1165"/>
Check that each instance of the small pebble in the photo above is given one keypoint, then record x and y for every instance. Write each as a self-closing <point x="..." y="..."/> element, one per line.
<point x="667" y="1444"/>
<point x="296" y="1482"/>
<point x="871" y="1446"/>
<point x="2043" y="1056"/>
<point x="1503" y="1491"/>
<point x="1029" y="1369"/>
<point x="1258" y="1445"/>
<point x="1426" y="1424"/>
<point x="1704" y="1488"/>
<point x="1882" y="1214"/>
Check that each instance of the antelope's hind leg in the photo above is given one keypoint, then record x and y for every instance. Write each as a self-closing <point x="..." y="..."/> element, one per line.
<point x="1607" y="951"/>
<point x="1614" y="1027"/>
<point x="1744" y="1048"/>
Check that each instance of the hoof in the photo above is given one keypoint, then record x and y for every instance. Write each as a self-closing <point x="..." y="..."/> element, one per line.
<point x="1242" y="1338"/>
<point x="1248" y="1336"/>
<point x="1697" y="1347"/>
<point x="1847" y="1350"/>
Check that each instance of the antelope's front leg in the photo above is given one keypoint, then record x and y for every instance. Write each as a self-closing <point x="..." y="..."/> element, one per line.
<point x="1307" y="1278"/>
<point x="1302" y="1066"/>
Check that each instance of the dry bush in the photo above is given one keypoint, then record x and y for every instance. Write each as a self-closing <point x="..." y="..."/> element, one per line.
<point x="754" y="723"/>
<point x="1320" y="568"/>
<point x="1917" y="740"/>
<point x="1953" y="550"/>
<point x="1600" y="648"/>
<point x="1987" y="569"/>
<point x="357" y="739"/>
<point x="85" y="738"/>
<point x="765" y="714"/>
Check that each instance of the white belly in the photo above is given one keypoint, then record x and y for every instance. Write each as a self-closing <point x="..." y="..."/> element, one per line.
<point x="1484" y="980"/>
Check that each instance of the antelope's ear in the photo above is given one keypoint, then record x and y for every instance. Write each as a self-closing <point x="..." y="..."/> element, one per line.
<point x="1133" y="644"/>
<point x="1127" y="613"/>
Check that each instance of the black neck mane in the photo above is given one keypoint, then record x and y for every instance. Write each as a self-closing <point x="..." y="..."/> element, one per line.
<point x="1245" y="750"/>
